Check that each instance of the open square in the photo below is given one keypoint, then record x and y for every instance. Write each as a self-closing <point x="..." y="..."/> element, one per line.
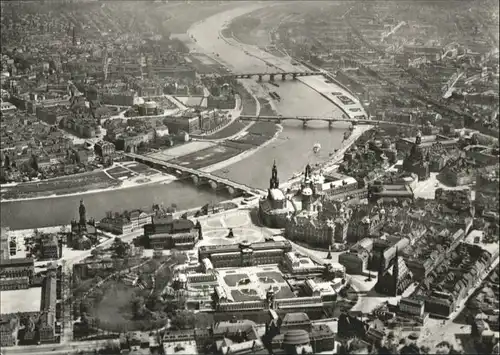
<point x="21" y="301"/>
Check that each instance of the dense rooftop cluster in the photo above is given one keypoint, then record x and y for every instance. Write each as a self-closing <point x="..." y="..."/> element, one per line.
<point x="406" y="61"/>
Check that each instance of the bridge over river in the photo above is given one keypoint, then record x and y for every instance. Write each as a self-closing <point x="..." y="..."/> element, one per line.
<point x="271" y="75"/>
<point x="198" y="177"/>
<point x="330" y="120"/>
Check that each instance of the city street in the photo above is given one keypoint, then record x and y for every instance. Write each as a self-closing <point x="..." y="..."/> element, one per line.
<point x="60" y="349"/>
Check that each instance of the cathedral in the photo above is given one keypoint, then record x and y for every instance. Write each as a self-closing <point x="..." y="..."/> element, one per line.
<point x="417" y="162"/>
<point x="83" y="232"/>
<point x="395" y="279"/>
<point x="274" y="208"/>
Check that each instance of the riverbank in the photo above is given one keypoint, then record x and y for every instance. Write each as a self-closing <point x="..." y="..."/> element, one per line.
<point x="336" y="158"/>
<point x="291" y="149"/>
<point x="243" y="155"/>
<point x="126" y="184"/>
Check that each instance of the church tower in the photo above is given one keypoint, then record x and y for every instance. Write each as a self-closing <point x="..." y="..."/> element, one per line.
<point x="418" y="138"/>
<point x="82" y="211"/>
<point x="274" y="182"/>
<point x="395" y="273"/>
<point x="307" y="173"/>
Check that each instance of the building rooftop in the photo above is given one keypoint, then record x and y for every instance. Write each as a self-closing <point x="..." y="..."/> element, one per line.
<point x="21" y="301"/>
<point x="180" y="348"/>
<point x="294" y="318"/>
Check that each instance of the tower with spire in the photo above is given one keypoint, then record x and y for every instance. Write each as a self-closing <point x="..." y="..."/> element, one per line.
<point x="395" y="273"/>
<point x="82" y="211"/>
<point x="273" y="209"/>
<point x="274" y="182"/>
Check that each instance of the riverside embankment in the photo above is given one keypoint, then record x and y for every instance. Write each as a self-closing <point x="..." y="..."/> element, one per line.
<point x="292" y="148"/>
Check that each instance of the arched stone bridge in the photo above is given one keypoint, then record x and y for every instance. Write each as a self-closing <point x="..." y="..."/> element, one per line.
<point x="330" y="120"/>
<point x="271" y="75"/>
<point x="197" y="177"/>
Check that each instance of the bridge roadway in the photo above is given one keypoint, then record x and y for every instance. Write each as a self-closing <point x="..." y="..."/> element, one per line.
<point x="198" y="175"/>
<point x="271" y="75"/>
<point x="330" y="120"/>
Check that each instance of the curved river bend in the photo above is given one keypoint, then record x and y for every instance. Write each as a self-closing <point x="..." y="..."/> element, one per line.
<point x="292" y="149"/>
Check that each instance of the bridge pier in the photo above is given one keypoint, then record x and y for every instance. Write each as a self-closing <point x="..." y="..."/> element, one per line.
<point x="304" y="124"/>
<point x="271" y="77"/>
<point x="260" y="78"/>
<point x="330" y="124"/>
<point x="213" y="184"/>
<point x="195" y="179"/>
<point x="231" y="190"/>
<point x="294" y="76"/>
<point x="283" y="77"/>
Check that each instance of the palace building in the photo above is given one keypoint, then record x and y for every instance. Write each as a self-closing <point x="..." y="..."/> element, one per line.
<point x="168" y="233"/>
<point x="245" y="254"/>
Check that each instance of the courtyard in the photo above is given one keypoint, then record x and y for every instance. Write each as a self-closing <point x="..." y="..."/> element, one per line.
<point x="253" y="283"/>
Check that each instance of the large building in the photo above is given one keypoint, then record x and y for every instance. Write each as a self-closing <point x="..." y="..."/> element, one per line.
<point x="4" y="244"/>
<point x="426" y="143"/>
<point x="8" y="330"/>
<point x="378" y="192"/>
<point x="416" y="161"/>
<point x="189" y="123"/>
<point x="296" y="334"/>
<point x="126" y="222"/>
<point x="298" y="213"/>
<point x="129" y="141"/>
<point x="17" y="268"/>
<point x="46" y="327"/>
<point x="356" y="259"/>
<point x="51" y="247"/>
<point x="168" y="233"/>
<point x="393" y="280"/>
<point x="245" y="254"/>
<point x="323" y="228"/>
<point x="487" y="190"/>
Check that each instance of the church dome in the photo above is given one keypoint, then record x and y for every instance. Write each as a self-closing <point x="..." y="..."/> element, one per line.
<point x="296" y="337"/>
<point x="277" y="195"/>
<point x="150" y="105"/>
<point x="307" y="192"/>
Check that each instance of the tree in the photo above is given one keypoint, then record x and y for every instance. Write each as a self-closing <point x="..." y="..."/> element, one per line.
<point x="138" y="307"/>
<point x="183" y="320"/>
<point x="110" y="348"/>
<point x="34" y="162"/>
<point x="84" y="306"/>
<point x="6" y="162"/>
<point x="121" y="250"/>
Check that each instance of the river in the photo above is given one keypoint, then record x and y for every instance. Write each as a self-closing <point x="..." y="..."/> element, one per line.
<point x="292" y="150"/>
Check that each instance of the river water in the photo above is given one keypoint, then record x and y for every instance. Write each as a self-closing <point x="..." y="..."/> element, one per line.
<point x="292" y="150"/>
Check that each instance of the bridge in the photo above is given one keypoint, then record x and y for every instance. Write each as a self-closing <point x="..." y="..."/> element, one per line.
<point x="197" y="177"/>
<point x="330" y="120"/>
<point x="271" y="75"/>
